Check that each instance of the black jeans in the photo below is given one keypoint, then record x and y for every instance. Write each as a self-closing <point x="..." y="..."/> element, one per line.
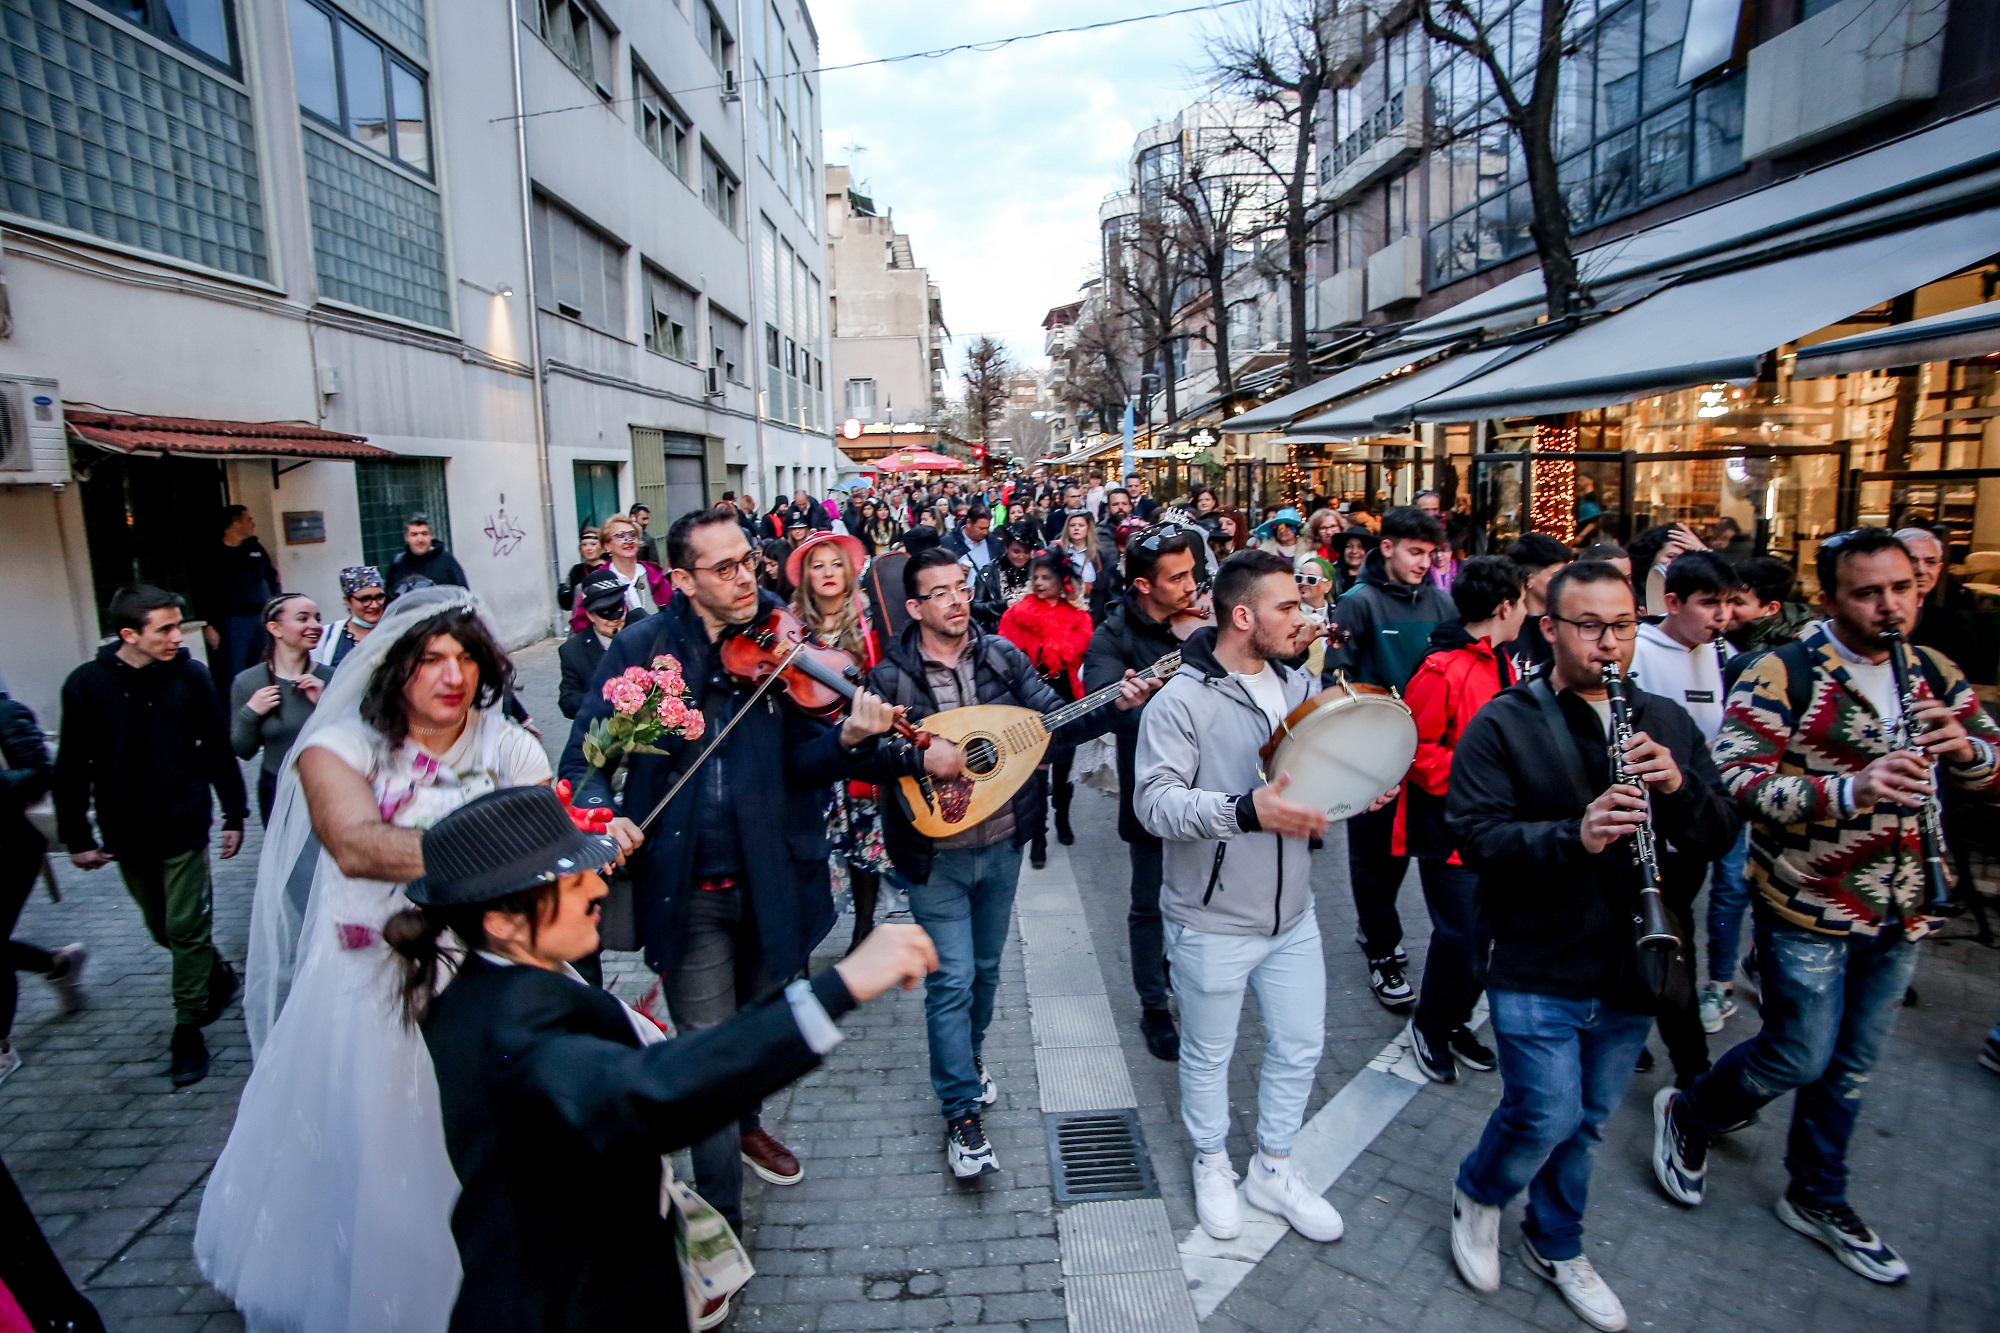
<point x="720" y="971"/>
<point x="1680" y="1007"/>
<point x="267" y="795"/>
<point x="1376" y="874"/>
<point x="1147" y="936"/>
<point x="19" y="866"/>
<point x="1455" y="966"/>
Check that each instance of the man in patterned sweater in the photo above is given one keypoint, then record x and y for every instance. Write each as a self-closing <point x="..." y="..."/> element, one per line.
<point x="1835" y="851"/>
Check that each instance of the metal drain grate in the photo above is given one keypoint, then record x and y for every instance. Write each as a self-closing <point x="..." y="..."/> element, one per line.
<point x="1099" y="1155"/>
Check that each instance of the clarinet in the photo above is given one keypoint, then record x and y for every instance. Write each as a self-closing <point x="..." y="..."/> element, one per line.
<point x="1655" y="928"/>
<point x="1930" y="817"/>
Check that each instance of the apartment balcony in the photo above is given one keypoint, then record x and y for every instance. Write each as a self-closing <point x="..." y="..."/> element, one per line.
<point x="1390" y="137"/>
<point x="1396" y="273"/>
<point x="1843" y="67"/>
<point x="1340" y="300"/>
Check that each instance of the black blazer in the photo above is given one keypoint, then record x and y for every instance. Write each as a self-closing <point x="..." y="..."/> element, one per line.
<point x="555" y="1118"/>
<point x="579" y="655"/>
<point x="789" y="761"/>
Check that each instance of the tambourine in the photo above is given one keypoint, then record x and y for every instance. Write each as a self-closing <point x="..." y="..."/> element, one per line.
<point x="1342" y="748"/>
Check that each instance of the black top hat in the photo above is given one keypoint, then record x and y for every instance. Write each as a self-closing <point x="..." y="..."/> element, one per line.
<point x="503" y="842"/>
<point x="601" y="590"/>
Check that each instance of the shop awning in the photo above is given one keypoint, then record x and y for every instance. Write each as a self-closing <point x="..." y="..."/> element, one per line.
<point x="1274" y="414"/>
<point x="209" y="438"/>
<point x="1388" y="408"/>
<point x="1953" y="336"/>
<point x="1718" y="328"/>
<point x="1943" y="159"/>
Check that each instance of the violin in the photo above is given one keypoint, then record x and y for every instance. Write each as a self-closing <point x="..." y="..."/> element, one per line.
<point x="817" y="679"/>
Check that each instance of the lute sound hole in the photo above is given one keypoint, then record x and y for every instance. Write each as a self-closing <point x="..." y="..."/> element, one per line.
<point x="982" y="756"/>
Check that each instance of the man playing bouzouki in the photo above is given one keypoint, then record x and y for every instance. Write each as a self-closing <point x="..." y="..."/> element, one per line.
<point x="962" y="887"/>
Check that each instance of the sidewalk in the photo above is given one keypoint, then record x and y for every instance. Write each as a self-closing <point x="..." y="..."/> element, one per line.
<point x="878" y="1236"/>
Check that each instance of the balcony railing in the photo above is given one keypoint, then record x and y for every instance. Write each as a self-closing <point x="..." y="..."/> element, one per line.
<point x="1367" y="134"/>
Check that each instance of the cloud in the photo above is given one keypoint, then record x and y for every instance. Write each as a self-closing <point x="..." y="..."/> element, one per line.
<point x="995" y="163"/>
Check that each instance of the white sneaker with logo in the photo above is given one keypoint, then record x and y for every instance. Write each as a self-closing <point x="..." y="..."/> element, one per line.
<point x="1215" y="1201"/>
<point x="1594" y="1302"/>
<point x="1475" y="1241"/>
<point x="1280" y="1190"/>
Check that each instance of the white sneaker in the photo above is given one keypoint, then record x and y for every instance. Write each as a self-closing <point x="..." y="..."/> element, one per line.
<point x="1717" y="1004"/>
<point x="1475" y="1241"/>
<point x="10" y="1060"/>
<point x="1215" y="1201"/>
<point x="966" y="1149"/>
<point x="1594" y="1302"/>
<point x="988" y="1093"/>
<point x="1280" y="1190"/>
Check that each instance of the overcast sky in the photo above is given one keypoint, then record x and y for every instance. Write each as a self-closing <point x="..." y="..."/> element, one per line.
<point x="994" y="163"/>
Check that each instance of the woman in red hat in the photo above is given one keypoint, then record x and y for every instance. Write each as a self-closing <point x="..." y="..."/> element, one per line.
<point x="1052" y="628"/>
<point x="825" y="573"/>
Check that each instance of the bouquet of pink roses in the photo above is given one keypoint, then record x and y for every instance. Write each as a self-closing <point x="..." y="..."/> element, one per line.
<point x="646" y="704"/>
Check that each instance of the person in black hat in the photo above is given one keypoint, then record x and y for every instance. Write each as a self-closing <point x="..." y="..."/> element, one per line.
<point x="557" y="1101"/>
<point x="602" y="596"/>
<point x="1004" y="581"/>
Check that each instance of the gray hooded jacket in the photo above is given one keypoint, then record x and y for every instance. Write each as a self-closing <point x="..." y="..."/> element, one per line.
<point x="1198" y="743"/>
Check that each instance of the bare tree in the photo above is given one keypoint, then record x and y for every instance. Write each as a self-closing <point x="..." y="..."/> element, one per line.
<point x="1527" y="104"/>
<point x="988" y="368"/>
<point x="1100" y="358"/>
<point x="1149" y="284"/>
<point x="1216" y="202"/>
<point x="1286" y="59"/>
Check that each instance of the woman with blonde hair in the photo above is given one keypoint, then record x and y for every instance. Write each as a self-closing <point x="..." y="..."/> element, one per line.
<point x="825" y="574"/>
<point x="646" y="585"/>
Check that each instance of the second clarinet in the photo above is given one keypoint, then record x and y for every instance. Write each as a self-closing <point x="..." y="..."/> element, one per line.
<point x="1654" y="927"/>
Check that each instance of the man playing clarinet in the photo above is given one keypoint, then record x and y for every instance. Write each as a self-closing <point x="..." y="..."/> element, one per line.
<point x="1808" y="748"/>
<point x="1536" y="814"/>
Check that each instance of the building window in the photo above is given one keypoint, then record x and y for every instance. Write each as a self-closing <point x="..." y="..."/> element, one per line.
<point x="721" y="46"/>
<point x="660" y="125"/>
<point x="726" y="335"/>
<point x="1627" y="133"/>
<point x="670" y="316"/>
<point x="205" y="27"/>
<point x="350" y="82"/>
<point x="718" y="188"/>
<point x="861" y="398"/>
<point x="388" y="491"/>
<point x="580" y="40"/>
<point x="579" y="271"/>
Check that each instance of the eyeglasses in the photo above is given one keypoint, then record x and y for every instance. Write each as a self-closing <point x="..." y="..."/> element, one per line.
<point x="945" y="596"/>
<point x="623" y="537"/>
<point x="1592" y="631"/>
<point x="371" y="599"/>
<point x="729" y="569"/>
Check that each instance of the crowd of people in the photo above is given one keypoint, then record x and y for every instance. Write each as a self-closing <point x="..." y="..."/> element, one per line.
<point x="441" y="1083"/>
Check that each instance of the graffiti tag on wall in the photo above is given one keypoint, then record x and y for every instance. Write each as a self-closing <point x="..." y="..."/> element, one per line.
<point x="505" y="532"/>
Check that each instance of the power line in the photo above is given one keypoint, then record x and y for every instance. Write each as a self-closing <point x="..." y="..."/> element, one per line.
<point x="937" y="53"/>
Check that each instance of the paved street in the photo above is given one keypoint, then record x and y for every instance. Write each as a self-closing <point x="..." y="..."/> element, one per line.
<point x="877" y="1236"/>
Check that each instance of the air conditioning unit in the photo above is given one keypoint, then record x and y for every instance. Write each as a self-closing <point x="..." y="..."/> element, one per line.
<point x="712" y="382"/>
<point x="33" y="451"/>
<point x="730" y="92"/>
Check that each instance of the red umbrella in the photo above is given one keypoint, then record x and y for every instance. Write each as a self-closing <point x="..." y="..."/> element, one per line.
<point x="918" y="460"/>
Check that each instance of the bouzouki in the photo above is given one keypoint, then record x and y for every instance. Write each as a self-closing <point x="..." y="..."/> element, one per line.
<point x="1003" y="745"/>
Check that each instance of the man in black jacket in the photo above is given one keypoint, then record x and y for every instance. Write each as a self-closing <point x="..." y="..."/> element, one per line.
<point x="423" y="557"/>
<point x="973" y="540"/>
<point x="1535" y="814"/>
<point x="144" y="734"/>
<point x="731" y="889"/>
<point x="603" y="596"/>
<point x="1388" y="618"/>
<point x="1540" y="556"/>
<point x="239" y="579"/>
<point x="1160" y="566"/>
<point x="962" y="888"/>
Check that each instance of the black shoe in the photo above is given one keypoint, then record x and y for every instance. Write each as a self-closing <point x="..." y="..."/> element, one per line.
<point x="1470" y="1051"/>
<point x="1433" y="1057"/>
<point x="223" y="986"/>
<point x="1645" y="1062"/>
<point x="1680" y="1158"/>
<point x="1391" y="987"/>
<point x="1064" y="833"/>
<point x="1162" y="1041"/>
<point x="1038" y="858"/>
<point x="1840" y="1229"/>
<point x="189" y="1055"/>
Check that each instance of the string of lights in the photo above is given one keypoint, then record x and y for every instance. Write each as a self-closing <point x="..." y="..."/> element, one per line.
<point x="986" y="47"/>
<point x="1553" y="481"/>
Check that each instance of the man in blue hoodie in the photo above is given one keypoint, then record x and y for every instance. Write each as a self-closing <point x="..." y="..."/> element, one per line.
<point x="1388" y="618"/>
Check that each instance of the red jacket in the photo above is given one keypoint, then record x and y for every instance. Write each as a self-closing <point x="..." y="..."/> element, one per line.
<point x="1454" y="681"/>
<point x="1054" y="635"/>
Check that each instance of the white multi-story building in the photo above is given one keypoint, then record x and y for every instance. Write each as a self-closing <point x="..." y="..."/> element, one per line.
<point x="283" y="253"/>
<point x="888" y="316"/>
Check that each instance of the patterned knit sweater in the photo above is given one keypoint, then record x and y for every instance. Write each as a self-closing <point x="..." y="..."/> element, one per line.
<point x="1820" y="863"/>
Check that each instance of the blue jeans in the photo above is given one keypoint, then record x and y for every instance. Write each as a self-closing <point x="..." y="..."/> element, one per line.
<point x="1829" y="1002"/>
<point x="1728" y="903"/>
<point x="1564" y="1064"/>
<point x="967" y="907"/>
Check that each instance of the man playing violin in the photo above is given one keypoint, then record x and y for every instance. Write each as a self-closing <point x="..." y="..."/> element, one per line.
<point x="732" y="891"/>
<point x="962" y="887"/>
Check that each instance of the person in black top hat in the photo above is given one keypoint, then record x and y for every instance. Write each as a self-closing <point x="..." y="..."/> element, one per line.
<point x="557" y="1102"/>
<point x="602" y="594"/>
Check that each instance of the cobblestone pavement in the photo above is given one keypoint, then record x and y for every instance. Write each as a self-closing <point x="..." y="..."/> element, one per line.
<point x="877" y="1236"/>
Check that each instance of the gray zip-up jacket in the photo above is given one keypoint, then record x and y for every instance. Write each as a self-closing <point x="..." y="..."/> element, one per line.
<point x="1196" y="766"/>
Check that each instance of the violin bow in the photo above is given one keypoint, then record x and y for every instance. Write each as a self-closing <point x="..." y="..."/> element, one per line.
<point x="716" y="740"/>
